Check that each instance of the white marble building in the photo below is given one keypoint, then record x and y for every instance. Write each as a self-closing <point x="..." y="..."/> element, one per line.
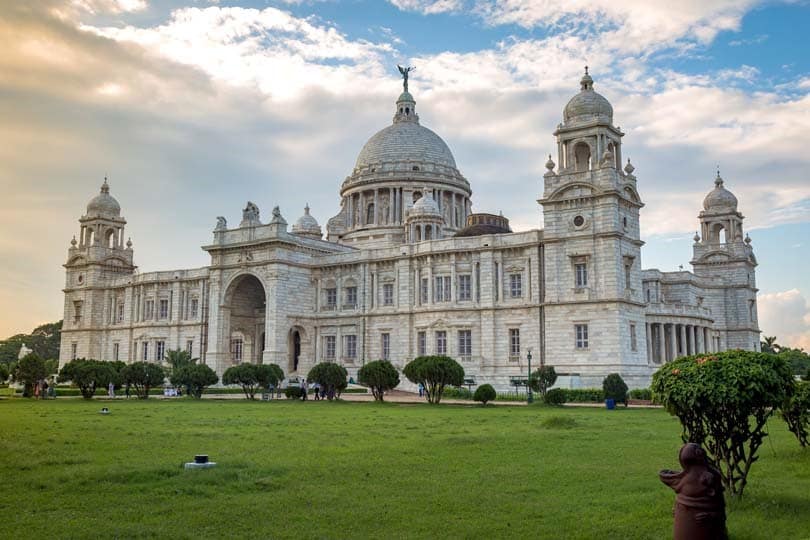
<point x="407" y="269"/>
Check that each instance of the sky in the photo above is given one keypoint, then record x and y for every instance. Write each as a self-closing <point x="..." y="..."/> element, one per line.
<point x="191" y="108"/>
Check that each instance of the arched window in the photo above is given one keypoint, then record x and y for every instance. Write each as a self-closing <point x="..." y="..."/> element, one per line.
<point x="428" y="232"/>
<point x="91" y="237"/>
<point x="370" y="214"/>
<point x="417" y="195"/>
<point x="109" y="239"/>
<point x="582" y="157"/>
<point x="717" y="234"/>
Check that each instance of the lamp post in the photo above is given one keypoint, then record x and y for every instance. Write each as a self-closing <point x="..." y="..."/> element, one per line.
<point x="529" y="397"/>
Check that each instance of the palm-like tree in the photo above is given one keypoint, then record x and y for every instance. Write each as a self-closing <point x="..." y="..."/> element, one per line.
<point x="769" y="345"/>
<point x="179" y="358"/>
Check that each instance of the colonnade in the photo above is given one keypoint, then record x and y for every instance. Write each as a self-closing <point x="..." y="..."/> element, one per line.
<point x="668" y="341"/>
<point x="370" y="212"/>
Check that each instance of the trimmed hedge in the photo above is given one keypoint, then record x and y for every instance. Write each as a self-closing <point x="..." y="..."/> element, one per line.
<point x="457" y="392"/>
<point x="555" y="396"/>
<point x="641" y="393"/>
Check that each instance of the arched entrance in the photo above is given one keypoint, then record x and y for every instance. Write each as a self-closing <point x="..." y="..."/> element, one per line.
<point x="245" y="301"/>
<point x="294" y="348"/>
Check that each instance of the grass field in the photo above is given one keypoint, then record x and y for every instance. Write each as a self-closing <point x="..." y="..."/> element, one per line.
<point x="359" y="470"/>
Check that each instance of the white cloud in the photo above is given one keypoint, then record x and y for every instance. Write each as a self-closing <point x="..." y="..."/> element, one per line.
<point x="110" y="6"/>
<point x="428" y="7"/>
<point x="785" y="315"/>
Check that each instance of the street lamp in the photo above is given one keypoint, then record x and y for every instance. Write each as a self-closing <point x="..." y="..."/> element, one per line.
<point x="529" y="397"/>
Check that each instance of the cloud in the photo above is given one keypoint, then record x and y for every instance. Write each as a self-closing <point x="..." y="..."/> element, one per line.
<point x="428" y="7"/>
<point x="756" y="40"/>
<point x="110" y="6"/>
<point x="785" y="315"/>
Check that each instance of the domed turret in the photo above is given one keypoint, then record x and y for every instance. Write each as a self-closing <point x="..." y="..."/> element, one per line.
<point x="307" y="226"/>
<point x="103" y="204"/>
<point x="588" y="106"/>
<point x="425" y="206"/>
<point x="424" y="220"/>
<point x="720" y="200"/>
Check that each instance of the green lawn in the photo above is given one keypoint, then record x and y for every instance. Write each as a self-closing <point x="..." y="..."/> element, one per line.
<point x="358" y="470"/>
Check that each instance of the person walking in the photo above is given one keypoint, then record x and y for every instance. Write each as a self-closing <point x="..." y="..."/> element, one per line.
<point x="305" y="388"/>
<point x="111" y="390"/>
<point x="316" y="390"/>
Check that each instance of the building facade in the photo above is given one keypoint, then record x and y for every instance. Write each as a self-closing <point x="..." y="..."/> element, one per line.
<point x="406" y="269"/>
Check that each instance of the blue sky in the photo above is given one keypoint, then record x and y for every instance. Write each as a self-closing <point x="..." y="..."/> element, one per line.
<point x="193" y="107"/>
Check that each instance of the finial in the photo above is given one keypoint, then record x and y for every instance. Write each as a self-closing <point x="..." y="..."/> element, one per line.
<point x="129" y="243"/>
<point x="629" y="167"/>
<point x="586" y="83"/>
<point x="306" y="209"/>
<point x="747" y="239"/>
<point x="680" y="267"/>
<point x="718" y="181"/>
<point x="105" y="187"/>
<point x="696" y="238"/>
<point x="73" y="242"/>
<point x="586" y="70"/>
<point x="550" y="163"/>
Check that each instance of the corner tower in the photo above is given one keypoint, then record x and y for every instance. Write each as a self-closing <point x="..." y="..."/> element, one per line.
<point x="725" y="258"/>
<point x="594" y="313"/>
<point x="95" y="259"/>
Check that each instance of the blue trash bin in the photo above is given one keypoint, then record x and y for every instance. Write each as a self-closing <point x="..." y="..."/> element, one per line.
<point x="610" y="404"/>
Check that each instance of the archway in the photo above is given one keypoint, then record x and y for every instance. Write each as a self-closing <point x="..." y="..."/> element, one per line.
<point x="294" y="348"/>
<point x="582" y="157"/>
<point x="245" y="301"/>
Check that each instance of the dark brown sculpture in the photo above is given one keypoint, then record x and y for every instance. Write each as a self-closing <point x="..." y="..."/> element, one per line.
<point x="700" y="510"/>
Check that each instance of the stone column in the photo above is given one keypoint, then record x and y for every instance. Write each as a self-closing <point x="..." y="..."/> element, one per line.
<point x="361" y="200"/>
<point x="648" y="337"/>
<point x="453" y="297"/>
<point x="376" y="207"/>
<point x="474" y="282"/>
<point x="417" y="286"/>
<point x="707" y="339"/>
<point x="673" y="346"/>
<point x="699" y="341"/>
<point x="453" y="222"/>
<point x="684" y="348"/>
<point x="430" y="280"/>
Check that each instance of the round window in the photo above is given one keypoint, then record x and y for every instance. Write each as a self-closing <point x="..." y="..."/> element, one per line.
<point x="579" y="221"/>
<point x="81" y="278"/>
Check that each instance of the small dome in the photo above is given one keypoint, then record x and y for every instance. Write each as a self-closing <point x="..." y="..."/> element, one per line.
<point x="104" y="204"/>
<point x="425" y="206"/>
<point x="720" y="199"/>
<point x="588" y="105"/>
<point x="307" y="225"/>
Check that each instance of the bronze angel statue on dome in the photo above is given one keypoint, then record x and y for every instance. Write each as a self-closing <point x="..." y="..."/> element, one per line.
<point x="405" y="71"/>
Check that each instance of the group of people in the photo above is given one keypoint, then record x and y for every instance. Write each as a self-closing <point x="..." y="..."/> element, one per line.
<point x="319" y="392"/>
<point x="44" y="390"/>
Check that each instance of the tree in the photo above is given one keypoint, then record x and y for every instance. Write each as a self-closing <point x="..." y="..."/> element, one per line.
<point x="723" y="401"/>
<point x="380" y="375"/>
<point x="88" y="375"/>
<point x="245" y="375"/>
<point x="615" y="388"/>
<point x="28" y="371"/>
<point x="434" y="373"/>
<point x="769" y="345"/>
<point x="485" y="393"/>
<point x="143" y="376"/>
<point x="332" y="378"/>
<point x="178" y="358"/>
<point x="798" y="360"/>
<point x="796" y="412"/>
<point x="268" y="375"/>
<point x="4" y="373"/>
<point x="543" y="379"/>
<point x="43" y="341"/>
<point x="195" y="377"/>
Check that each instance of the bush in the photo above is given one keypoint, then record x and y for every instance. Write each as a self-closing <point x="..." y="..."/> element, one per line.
<point x="4" y="373"/>
<point x="434" y="373"/>
<point x="584" y="395"/>
<point x="380" y="376"/>
<point x="143" y="376"/>
<point x="268" y="375"/>
<point x="88" y="375"/>
<point x="641" y="393"/>
<point x="28" y="371"/>
<point x="723" y="401"/>
<point x="614" y="388"/>
<point x="796" y="412"/>
<point x="484" y="393"/>
<point x="457" y="392"/>
<point x="245" y="375"/>
<point x="543" y="379"/>
<point x="293" y="392"/>
<point x="331" y="376"/>
<point x="555" y="396"/>
<point x="195" y="377"/>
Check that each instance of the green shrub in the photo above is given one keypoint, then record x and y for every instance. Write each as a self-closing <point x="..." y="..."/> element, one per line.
<point x="723" y="402"/>
<point x="555" y="396"/>
<point x="641" y="393"/>
<point x="457" y="392"/>
<point x="293" y="392"/>
<point x="4" y="373"/>
<point x="584" y="395"/>
<point x="88" y="375"/>
<point x="434" y="373"/>
<point x="331" y="376"/>
<point x="245" y="375"/>
<point x="195" y="377"/>
<point x="143" y="376"/>
<point x="28" y="371"/>
<point x="380" y="376"/>
<point x="484" y="393"/>
<point x="614" y="388"/>
<point x="543" y="379"/>
<point x="268" y="375"/>
<point x="796" y="412"/>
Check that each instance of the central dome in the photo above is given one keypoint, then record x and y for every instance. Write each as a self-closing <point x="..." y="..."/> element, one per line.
<point x="405" y="141"/>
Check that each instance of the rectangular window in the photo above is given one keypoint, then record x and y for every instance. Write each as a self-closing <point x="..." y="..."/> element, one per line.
<point x="236" y="350"/>
<point x="163" y="311"/>
<point x="145" y="351"/>
<point x="351" y="297"/>
<point x="464" y="287"/>
<point x="329" y="347"/>
<point x="120" y="315"/>
<point x="514" y="343"/>
<point x="190" y="346"/>
<point x="424" y="290"/>
<point x="581" y="273"/>
<point x="385" y="346"/>
<point x="627" y="268"/>
<point x="115" y="352"/>
<point x="194" y="307"/>
<point x="441" y="342"/>
<point x="421" y="344"/>
<point x="633" y="343"/>
<point x="160" y="349"/>
<point x="388" y="294"/>
<point x="465" y="343"/>
<point x="73" y="351"/>
<point x="581" y="331"/>
<point x="77" y="311"/>
<point x="331" y="298"/>
<point x="516" y="285"/>
<point x="441" y="289"/>
<point x="149" y="309"/>
<point x="350" y="346"/>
